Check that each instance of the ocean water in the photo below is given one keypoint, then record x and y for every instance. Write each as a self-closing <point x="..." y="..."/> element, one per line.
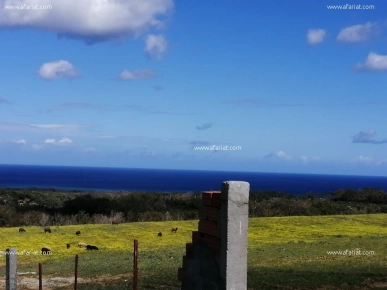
<point x="100" y="178"/>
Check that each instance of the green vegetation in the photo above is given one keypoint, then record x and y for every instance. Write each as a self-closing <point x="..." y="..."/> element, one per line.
<point x="38" y="207"/>
<point x="283" y="253"/>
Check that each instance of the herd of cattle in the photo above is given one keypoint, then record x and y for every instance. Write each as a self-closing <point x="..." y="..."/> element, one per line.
<point x="48" y="251"/>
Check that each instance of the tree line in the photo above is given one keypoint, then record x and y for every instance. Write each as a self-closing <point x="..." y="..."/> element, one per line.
<point x="25" y="207"/>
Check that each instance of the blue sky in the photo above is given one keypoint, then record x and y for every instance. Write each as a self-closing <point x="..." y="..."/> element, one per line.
<point x="299" y="87"/>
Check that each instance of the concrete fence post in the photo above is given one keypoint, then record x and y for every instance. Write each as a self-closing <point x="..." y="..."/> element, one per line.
<point x="233" y="236"/>
<point x="11" y="269"/>
<point x="217" y="256"/>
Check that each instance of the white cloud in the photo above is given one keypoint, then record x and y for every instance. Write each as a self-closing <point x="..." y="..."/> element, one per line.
<point x="49" y="141"/>
<point x="37" y="147"/>
<point x="155" y="46"/>
<point x="57" y="69"/>
<point x="374" y="62"/>
<point x="305" y="159"/>
<point x="280" y="155"/>
<point x="21" y="141"/>
<point x="357" y="33"/>
<point x="136" y="75"/>
<point x="65" y="140"/>
<point x="89" y="20"/>
<point x="315" y="36"/>
<point x="368" y="160"/>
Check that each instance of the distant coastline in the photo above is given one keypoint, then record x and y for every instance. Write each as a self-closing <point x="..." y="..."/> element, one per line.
<point x="158" y="180"/>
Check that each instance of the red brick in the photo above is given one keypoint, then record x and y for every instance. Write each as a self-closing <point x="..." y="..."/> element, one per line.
<point x="186" y="260"/>
<point x="215" y="201"/>
<point x="212" y="242"/>
<point x="206" y="199"/>
<point x="181" y="274"/>
<point x="188" y="249"/>
<point x="209" y="228"/>
<point x="196" y="236"/>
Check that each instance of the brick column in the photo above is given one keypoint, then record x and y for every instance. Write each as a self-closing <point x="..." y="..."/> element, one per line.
<point x="208" y="228"/>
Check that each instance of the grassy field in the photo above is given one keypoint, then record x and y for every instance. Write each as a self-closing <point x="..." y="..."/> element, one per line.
<point x="283" y="253"/>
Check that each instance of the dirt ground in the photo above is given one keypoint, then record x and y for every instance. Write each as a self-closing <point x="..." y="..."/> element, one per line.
<point x="29" y="282"/>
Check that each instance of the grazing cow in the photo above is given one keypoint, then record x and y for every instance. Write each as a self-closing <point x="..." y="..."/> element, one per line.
<point x="81" y="245"/>
<point x="68" y="246"/>
<point x="90" y="248"/>
<point x="115" y="223"/>
<point x="174" y="230"/>
<point x="160" y="234"/>
<point x="21" y="230"/>
<point x="47" y="230"/>
<point x="78" y="233"/>
<point x="46" y="251"/>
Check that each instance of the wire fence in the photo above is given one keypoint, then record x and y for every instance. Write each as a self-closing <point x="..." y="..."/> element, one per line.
<point x="152" y="269"/>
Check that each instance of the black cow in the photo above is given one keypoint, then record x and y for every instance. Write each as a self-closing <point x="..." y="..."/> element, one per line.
<point x="78" y="233"/>
<point x="21" y="230"/>
<point x="160" y="234"/>
<point x="46" y="251"/>
<point x="68" y="246"/>
<point x="90" y="248"/>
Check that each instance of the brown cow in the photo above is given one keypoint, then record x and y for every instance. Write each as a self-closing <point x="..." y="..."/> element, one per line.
<point x="115" y="223"/>
<point x="160" y="234"/>
<point x="21" y="230"/>
<point x="46" y="251"/>
<point x="47" y="230"/>
<point x="78" y="233"/>
<point x="174" y="230"/>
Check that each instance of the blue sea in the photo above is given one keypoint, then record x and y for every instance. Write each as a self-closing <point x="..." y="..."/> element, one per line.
<point x="125" y="179"/>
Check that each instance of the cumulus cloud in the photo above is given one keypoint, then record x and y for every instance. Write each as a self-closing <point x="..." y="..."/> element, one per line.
<point x="64" y="140"/>
<point x="368" y="160"/>
<point x="205" y="126"/>
<point x="89" y="20"/>
<point x="279" y="155"/>
<point x="21" y="141"/>
<point x="49" y="141"/>
<point x="57" y="69"/>
<point x="136" y="75"/>
<point x="155" y="46"/>
<point x="374" y="62"/>
<point x="315" y="36"/>
<point x="357" y="33"/>
<point x="367" y="137"/>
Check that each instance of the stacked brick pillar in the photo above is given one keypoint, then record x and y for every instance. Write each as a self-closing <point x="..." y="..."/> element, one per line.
<point x="209" y="228"/>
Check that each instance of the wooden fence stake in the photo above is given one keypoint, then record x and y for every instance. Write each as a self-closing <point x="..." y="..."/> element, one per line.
<point x="76" y="272"/>
<point x="135" y="266"/>
<point x="40" y="277"/>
